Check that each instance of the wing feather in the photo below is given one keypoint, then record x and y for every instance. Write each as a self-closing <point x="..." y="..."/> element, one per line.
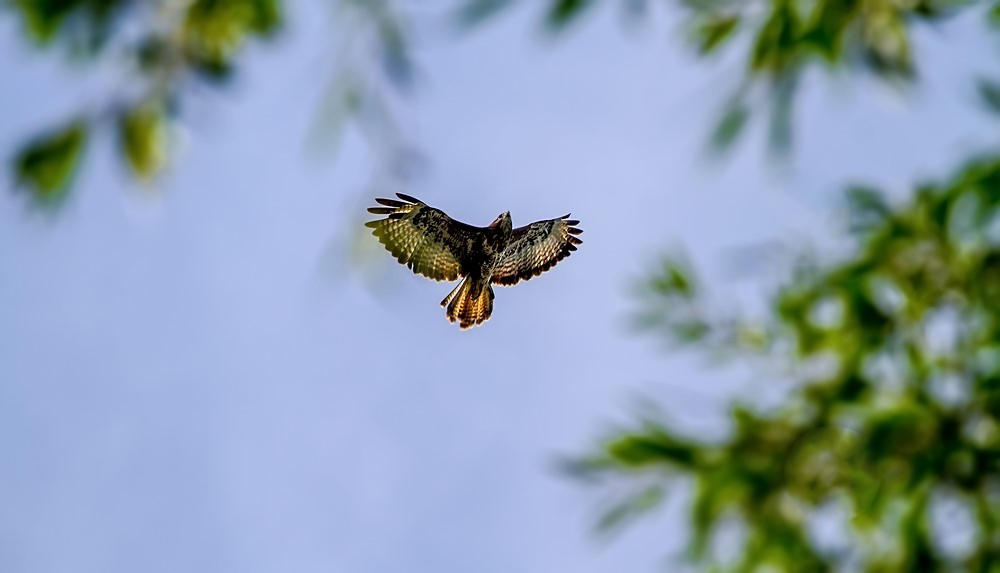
<point x="389" y="202"/>
<point x="536" y="248"/>
<point x="423" y="238"/>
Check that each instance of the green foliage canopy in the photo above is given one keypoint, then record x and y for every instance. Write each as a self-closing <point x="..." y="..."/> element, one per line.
<point x="900" y="342"/>
<point x="178" y="42"/>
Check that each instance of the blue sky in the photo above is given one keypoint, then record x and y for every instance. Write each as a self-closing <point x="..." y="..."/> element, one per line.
<point x="195" y="377"/>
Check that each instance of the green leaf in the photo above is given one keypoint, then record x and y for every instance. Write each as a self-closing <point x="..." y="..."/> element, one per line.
<point x="143" y="136"/>
<point x="634" y="506"/>
<point x="652" y="447"/>
<point x="715" y="32"/>
<point x="215" y="30"/>
<point x="267" y="16"/>
<point x="43" y="22"/>
<point x="733" y="120"/>
<point x="86" y="20"/>
<point x="213" y="71"/>
<point x="476" y="12"/>
<point x="563" y="12"/>
<point x="867" y="208"/>
<point x="673" y="278"/>
<point x="47" y="165"/>
<point x="776" y="46"/>
<point x="989" y="94"/>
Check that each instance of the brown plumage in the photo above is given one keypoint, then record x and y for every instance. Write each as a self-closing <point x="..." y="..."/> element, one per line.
<point x="432" y="244"/>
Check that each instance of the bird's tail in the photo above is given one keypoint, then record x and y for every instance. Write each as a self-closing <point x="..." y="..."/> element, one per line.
<point x="470" y="303"/>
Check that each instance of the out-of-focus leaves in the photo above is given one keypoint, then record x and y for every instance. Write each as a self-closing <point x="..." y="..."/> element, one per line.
<point x="203" y="39"/>
<point x="782" y="107"/>
<point x="214" y="30"/>
<point x="674" y="281"/>
<point x="153" y="54"/>
<point x="563" y="12"/>
<point x="730" y="125"/>
<point x="217" y="72"/>
<point x="395" y="53"/>
<point x="673" y="277"/>
<point x="267" y="16"/>
<point x="475" y="12"/>
<point x="789" y="37"/>
<point x="989" y="94"/>
<point x="775" y="47"/>
<point x="914" y="307"/>
<point x="209" y="35"/>
<point x="633" y="506"/>
<point x="143" y="135"/>
<point x="47" y="165"/>
<point x="887" y="41"/>
<point x="164" y="45"/>
<point x="90" y="19"/>
<point x="44" y="19"/>
<point x="634" y="10"/>
<point x="994" y="14"/>
<point x="822" y="461"/>
<point x="653" y="446"/>
<point x="867" y="208"/>
<point x="716" y="30"/>
<point x="691" y="330"/>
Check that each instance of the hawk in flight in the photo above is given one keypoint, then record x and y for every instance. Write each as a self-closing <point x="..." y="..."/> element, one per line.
<point x="433" y="244"/>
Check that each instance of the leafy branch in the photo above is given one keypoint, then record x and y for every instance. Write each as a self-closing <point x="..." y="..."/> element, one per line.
<point x="908" y="327"/>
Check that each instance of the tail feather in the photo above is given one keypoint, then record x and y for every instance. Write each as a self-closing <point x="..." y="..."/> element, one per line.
<point x="470" y="303"/>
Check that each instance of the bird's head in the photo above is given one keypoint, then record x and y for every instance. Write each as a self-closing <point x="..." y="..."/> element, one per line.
<point x="502" y="222"/>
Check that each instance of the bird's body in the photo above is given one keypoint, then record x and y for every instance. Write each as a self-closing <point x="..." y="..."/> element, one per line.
<point x="431" y="243"/>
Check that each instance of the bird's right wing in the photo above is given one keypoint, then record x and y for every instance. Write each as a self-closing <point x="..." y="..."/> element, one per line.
<point x="536" y="248"/>
<point x="425" y="239"/>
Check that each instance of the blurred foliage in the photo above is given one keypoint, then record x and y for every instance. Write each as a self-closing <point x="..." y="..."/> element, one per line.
<point x="789" y="36"/>
<point x="86" y="24"/>
<point x="46" y="166"/>
<point x="562" y="12"/>
<point x="895" y="355"/>
<point x="989" y="93"/>
<point x="167" y="42"/>
<point x="143" y="133"/>
<point x="783" y="38"/>
<point x="476" y="12"/>
<point x="164" y="47"/>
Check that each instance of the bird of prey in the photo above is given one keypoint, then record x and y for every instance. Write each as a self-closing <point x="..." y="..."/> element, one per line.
<point x="433" y="244"/>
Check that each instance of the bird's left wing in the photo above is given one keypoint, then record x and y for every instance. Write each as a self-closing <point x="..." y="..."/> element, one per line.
<point x="536" y="248"/>
<point x="425" y="239"/>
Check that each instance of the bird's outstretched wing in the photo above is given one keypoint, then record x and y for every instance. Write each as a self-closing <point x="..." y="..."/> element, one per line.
<point x="536" y="248"/>
<point x="423" y="238"/>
